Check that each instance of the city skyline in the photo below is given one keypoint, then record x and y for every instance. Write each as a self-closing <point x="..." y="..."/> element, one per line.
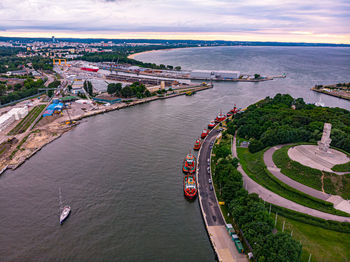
<point x="290" y="21"/>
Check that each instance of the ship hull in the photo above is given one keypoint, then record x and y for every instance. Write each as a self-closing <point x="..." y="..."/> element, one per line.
<point x="89" y="69"/>
<point x="190" y="187"/>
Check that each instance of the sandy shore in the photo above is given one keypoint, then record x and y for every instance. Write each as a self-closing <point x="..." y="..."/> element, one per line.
<point x="132" y="56"/>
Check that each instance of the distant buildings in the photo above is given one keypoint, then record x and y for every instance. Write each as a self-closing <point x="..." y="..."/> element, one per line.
<point x="208" y="74"/>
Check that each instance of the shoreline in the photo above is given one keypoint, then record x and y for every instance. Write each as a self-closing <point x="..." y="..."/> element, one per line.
<point x="132" y="56"/>
<point x="18" y="160"/>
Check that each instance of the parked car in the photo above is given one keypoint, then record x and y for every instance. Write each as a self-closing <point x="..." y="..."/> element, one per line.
<point x="211" y="187"/>
<point x="209" y="181"/>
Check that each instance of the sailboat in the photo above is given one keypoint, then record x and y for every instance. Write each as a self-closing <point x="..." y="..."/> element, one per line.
<point x="65" y="211"/>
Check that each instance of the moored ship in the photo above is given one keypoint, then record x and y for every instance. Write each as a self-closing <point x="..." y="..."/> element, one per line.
<point x="221" y="117"/>
<point x="89" y="68"/>
<point x="197" y="145"/>
<point x="211" y="124"/>
<point x="234" y="110"/>
<point x="205" y="132"/>
<point x="189" y="165"/>
<point x="190" y="186"/>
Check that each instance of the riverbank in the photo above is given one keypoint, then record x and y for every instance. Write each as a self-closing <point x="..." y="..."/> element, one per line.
<point x="43" y="135"/>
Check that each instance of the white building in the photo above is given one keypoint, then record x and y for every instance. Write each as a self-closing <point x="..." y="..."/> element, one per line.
<point x="227" y="74"/>
<point x="19" y="112"/>
<point x="209" y="74"/>
<point x="11" y="116"/>
<point x="202" y="74"/>
<point x="6" y="120"/>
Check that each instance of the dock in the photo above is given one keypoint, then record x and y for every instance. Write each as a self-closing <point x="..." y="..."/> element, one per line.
<point x="221" y="241"/>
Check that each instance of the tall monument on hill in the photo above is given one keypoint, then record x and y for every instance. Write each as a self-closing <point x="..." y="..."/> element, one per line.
<point x="323" y="145"/>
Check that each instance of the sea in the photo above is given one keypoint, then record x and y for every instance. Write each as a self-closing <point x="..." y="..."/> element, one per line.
<point x="121" y="171"/>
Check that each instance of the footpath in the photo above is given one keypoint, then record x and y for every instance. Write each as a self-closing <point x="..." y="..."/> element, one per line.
<point x="252" y="187"/>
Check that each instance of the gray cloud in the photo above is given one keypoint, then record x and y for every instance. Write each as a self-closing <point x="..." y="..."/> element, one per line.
<point x="323" y="17"/>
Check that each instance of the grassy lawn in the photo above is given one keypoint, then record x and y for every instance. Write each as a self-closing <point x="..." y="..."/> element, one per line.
<point x="342" y="168"/>
<point x="255" y="168"/>
<point x="333" y="184"/>
<point x="324" y="245"/>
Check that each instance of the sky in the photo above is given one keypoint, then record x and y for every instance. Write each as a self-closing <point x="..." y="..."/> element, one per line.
<point x="315" y="21"/>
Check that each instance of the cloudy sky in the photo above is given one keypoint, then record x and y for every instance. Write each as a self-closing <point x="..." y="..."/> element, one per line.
<point x="251" y="20"/>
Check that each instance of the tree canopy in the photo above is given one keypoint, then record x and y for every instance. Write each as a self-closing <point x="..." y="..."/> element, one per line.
<point x="283" y="119"/>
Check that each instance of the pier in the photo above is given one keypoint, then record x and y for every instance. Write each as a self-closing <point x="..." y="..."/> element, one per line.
<point x="221" y="241"/>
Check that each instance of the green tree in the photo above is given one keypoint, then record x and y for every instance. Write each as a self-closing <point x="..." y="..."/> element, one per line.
<point x="279" y="248"/>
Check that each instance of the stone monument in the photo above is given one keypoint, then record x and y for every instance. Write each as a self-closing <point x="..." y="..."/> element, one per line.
<point x="323" y="145"/>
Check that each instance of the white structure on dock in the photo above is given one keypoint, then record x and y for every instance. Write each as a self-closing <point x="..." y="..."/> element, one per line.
<point x="209" y="74"/>
<point x="12" y="115"/>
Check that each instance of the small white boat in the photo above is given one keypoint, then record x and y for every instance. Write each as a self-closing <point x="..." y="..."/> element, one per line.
<point x="65" y="213"/>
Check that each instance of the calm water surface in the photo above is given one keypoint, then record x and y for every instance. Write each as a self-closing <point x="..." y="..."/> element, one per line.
<point x="121" y="171"/>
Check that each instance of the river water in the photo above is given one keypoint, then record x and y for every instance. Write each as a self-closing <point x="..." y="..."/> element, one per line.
<point x="121" y="171"/>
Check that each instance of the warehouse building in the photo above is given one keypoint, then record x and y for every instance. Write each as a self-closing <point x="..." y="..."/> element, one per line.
<point x="11" y="116"/>
<point x="104" y="98"/>
<point x="215" y="75"/>
<point x="202" y="74"/>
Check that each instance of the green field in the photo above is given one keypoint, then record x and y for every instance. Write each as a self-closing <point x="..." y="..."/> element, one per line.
<point x="22" y="126"/>
<point x="324" y="245"/>
<point x="254" y="166"/>
<point x="342" y="168"/>
<point x="333" y="184"/>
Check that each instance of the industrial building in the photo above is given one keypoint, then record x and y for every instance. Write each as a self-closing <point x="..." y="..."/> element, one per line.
<point x="52" y="108"/>
<point x="11" y="116"/>
<point x="107" y="99"/>
<point x="215" y="75"/>
<point x="77" y="86"/>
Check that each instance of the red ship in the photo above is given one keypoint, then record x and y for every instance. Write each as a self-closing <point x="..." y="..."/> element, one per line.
<point x="190" y="186"/>
<point x="90" y="68"/>
<point x="211" y="124"/>
<point x="204" y="133"/>
<point x="189" y="165"/>
<point x="197" y="145"/>
<point x="221" y="117"/>
<point x="234" y="110"/>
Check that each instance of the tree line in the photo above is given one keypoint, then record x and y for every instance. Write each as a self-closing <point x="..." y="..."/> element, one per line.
<point x="19" y="91"/>
<point x="136" y="89"/>
<point x="283" y="119"/>
<point x="249" y="212"/>
<point x="120" y="55"/>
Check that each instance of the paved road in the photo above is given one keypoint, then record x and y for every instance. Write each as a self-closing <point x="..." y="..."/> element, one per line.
<point x="215" y="223"/>
<point x="209" y="205"/>
<point x="252" y="187"/>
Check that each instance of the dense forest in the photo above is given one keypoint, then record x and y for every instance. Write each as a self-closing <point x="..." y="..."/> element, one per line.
<point x="134" y="90"/>
<point x="18" y="91"/>
<point x="10" y="62"/>
<point x="120" y="55"/>
<point x="283" y="119"/>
